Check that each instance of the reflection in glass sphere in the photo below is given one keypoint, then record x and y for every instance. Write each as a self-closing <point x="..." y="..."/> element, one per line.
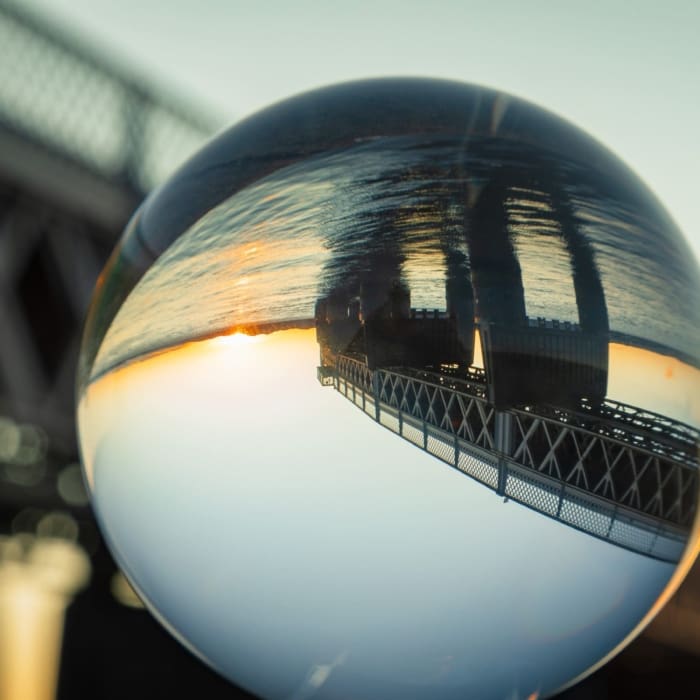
<point x="392" y="392"/>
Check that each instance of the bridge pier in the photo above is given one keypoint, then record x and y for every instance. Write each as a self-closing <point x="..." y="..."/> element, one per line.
<point x="459" y="298"/>
<point x="495" y="271"/>
<point x="528" y="361"/>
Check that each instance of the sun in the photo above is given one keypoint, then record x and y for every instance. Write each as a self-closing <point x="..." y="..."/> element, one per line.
<point x="237" y="339"/>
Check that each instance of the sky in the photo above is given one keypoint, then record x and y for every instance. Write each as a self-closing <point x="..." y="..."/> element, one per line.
<point x="625" y="72"/>
<point x="291" y="545"/>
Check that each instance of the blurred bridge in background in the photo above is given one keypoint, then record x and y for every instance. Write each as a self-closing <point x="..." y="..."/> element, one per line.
<point x="81" y="143"/>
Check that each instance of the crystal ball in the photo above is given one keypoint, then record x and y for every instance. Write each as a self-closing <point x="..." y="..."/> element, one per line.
<point x="392" y="391"/>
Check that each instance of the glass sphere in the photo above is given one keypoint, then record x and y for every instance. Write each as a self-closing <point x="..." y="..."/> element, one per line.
<point x="391" y="391"/>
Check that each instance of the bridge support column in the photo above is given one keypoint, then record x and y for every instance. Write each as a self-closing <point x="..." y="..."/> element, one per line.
<point x="503" y="435"/>
<point x="375" y="393"/>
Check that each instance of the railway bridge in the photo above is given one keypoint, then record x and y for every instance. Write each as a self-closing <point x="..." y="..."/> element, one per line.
<point x="620" y="473"/>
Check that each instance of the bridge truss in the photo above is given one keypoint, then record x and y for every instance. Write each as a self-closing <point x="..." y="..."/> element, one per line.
<point x="612" y="471"/>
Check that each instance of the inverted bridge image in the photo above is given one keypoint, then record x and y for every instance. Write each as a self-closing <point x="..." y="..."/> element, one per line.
<point x="620" y="473"/>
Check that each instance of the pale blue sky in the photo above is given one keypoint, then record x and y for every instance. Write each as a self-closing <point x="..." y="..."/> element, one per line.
<point x="624" y="71"/>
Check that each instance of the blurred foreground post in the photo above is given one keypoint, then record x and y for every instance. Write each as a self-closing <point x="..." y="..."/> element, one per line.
<point x="38" y="579"/>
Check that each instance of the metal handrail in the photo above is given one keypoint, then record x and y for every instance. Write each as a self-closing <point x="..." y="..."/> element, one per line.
<point x="577" y="508"/>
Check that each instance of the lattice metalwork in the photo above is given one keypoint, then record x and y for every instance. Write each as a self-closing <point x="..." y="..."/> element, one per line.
<point x="440" y="445"/>
<point x="413" y="431"/>
<point x="597" y="484"/>
<point x="467" y="416"/>
<point x="389" y="418"/>
<point x="355" y="372"/>
<point x="478" y="466"/>
<point x="544" y="497"/>
<point x="625" y="531"/>
<point x="49" y="261"/>
<point x="585" y="515"/>
<point x="607" y="468"/>
<point x="80" y="144"/>
<point x="470" y="380"/>
<point x="54" y="93"/>
<point x="643" y="429"/>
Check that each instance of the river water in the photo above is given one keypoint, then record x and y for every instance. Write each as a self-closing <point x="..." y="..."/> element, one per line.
<point x="267" y="253"/>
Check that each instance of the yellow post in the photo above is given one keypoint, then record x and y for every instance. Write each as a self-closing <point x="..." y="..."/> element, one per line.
<point x="38" y="578"/>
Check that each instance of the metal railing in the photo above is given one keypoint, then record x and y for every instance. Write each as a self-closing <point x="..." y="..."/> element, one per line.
<point x="611" y="489"/>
